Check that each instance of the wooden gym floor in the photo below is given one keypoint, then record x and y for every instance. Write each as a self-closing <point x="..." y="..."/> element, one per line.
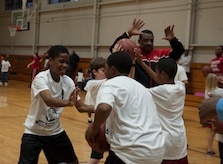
<point x="14" y="106"/>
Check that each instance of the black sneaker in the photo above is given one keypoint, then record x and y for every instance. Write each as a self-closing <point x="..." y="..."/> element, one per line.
<point x="211" y="153"/>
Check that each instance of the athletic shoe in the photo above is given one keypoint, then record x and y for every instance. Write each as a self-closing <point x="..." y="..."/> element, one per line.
<point x="211" y="153"/>
<point x="89" y="120"/>
<point x="6" y="84"/>
<point x="1" y="83"/>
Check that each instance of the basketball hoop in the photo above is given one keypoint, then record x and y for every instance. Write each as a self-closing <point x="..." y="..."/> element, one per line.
<point x="13" y="29"/>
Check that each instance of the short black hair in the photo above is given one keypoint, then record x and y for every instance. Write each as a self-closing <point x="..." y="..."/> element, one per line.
<point x="146" y="32"/>
<point x="54" y="51"/>
<point x="167" y="65"/>
<point x="121" y="60"/>
<point x="221" y="46"/>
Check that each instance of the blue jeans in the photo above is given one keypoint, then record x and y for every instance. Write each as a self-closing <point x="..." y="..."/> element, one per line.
<point x="4" y="77"/>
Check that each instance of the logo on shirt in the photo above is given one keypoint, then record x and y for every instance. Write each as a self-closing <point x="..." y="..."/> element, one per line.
<point x="48" y="117"/>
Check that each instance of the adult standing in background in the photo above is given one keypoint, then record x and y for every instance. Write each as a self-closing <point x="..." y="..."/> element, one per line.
<point x="45" y="57"/>
<point x="185" y="61"/>
<point x="73" y="61"/>
<point x="150" y="55"/>
<point x="217" y="65"/>
<point x="35" y="63"/>
<point x="5" y="65"/>
<point x="217" y="62"/>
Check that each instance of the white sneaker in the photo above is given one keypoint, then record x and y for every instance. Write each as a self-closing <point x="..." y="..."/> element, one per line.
<point x="0" y="83"/>
<point x="6" y="84"/>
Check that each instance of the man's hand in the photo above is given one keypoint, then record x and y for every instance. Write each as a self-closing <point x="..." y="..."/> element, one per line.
<point x="118" y="47"/>
<point x="169" y="33"/>
<point x="135" y="27"/>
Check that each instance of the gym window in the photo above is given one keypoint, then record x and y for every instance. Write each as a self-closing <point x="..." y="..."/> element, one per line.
<point x="16" y="4"/>
<point x="60" y="1"/>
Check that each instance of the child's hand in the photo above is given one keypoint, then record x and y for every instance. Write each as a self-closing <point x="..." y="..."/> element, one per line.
<point x="117" y="47"/>
<point x="73" y="97"/>
<point x="138" y="55"/>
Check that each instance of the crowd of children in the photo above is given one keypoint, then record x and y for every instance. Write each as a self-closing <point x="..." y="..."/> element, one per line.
<point x="115" y="92"/>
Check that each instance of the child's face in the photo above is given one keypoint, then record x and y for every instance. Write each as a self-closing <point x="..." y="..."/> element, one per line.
<point x="99" y="74"/>
<point x="58" y="66"/>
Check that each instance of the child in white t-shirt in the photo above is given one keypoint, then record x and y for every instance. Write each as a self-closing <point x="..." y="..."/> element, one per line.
<point x="51" y="91"/>
<point x="97" y="67"/>
<point x="5" y="65"/>
<point x="79" y="78"/>
<point x="169" y="98"/>
<point x="133" y="130"/>
<point x="212" y="89"/>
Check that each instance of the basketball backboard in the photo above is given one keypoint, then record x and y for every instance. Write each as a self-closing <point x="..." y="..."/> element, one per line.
<point x="20" y="18"/>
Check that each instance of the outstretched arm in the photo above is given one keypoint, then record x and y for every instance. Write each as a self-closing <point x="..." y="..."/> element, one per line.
<point x="31" y="63"/>
<point x="151" y="73"/>
<point x="177" y="46"/>
<point x="82" y="107"/>
<point x="134" y="28"/>
<point x="57" y="102"/>
<point x="136" y="25"/>
<point x="118" y="47"/>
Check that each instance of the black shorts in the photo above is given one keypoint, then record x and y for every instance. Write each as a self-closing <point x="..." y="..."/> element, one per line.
<point x="96" y="155"/>
<point x="113" y="159"/>
<point x="57" y="148"/>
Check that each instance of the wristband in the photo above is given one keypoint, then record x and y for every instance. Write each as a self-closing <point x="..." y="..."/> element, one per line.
<point x="133" y="65"/>
<point x="127" y="34"/>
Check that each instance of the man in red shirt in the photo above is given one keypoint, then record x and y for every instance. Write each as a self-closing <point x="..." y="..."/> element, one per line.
<point x="150" y="55"/>
<point x="217" y="63"/>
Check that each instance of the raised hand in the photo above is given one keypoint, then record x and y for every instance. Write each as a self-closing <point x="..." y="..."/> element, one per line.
<point x="138" y="56"/>
<point x="117" y="47"/>
<point x="169" y="33"/>
<point x="136" y="25"/>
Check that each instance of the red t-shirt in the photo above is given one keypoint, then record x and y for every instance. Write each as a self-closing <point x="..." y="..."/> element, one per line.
<point x="217" y="65"/>
<point x="36" y="63"/>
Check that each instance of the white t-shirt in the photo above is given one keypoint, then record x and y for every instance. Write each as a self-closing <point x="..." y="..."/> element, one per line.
<point x="169" y="99"/>
<point x="92" y="88"/>
<point x="181" y="74"/>
<point x="215" y="92"/>
<point x="44" y="120"/>
<point x="5" y="66"/>
<point x="80" y="77"/>
<point x="185" y="62"/>
<point x="133" y="129"/>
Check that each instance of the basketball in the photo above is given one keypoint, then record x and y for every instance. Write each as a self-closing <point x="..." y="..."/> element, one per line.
<point x="101" y="142"/>
<point x="128" y="45"/>
<point x="206" y="70"/>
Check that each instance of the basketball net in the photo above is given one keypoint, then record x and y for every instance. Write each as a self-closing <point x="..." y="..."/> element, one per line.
<point x="13" y="29"/>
